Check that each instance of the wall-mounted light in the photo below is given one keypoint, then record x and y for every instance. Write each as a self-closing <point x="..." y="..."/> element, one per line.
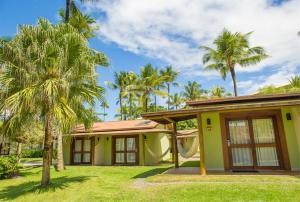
<point x="288" y="116"/>
<point x="208" y="121"/>
<point x="98" y="139"/>
<point x="107" y="138"/>
<point x="145" y="137"/>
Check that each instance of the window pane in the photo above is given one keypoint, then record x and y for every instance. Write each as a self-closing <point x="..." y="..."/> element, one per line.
<point x="242" y="157"/>
<point x="239" y="132"/>
<point x="78" y="145"/>
<point x="263" y="130"/>
<point x="131" y="144"/>
<point x="120" y="144"/>
<point x="120" y="158"/>
<point x="130" y="157"/>
<point x="86" y="158"/>
<point x="266" y="156"/>
<point x="87" y="145"/>
<point x="77" y="158"/>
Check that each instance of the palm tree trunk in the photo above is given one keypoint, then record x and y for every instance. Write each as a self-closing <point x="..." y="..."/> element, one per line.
<point x="168" y="88"/>
<point x="103" y="113"/>
<point x="19" y="151"/>
<point x="121" y="105"/>
<point x="155" y="102"/>
<point x="67" y="14"/>
<point x="47" y="152"/>
<point x="146" y="104"/>
<point x="234" y="81"/>
<point x="130" y="105"/>
<point x="60" y="158"/>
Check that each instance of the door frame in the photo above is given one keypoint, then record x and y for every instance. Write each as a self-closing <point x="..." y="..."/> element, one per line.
<point x="125" y="149"/>
<point x="282" y="151"/>
<point x="72" y="150"/>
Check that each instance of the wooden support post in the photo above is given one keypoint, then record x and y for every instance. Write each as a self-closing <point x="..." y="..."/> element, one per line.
<point x="201" y="145"/>
<point x="174" y="140"/>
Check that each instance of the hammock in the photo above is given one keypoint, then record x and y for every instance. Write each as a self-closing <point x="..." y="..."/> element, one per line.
<point x="187" y="153"/>
<point x="158" y="158"/>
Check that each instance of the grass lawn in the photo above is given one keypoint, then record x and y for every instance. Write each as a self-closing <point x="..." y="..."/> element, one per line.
<point x="87" y="183"/>
<point x="31" y="160"/>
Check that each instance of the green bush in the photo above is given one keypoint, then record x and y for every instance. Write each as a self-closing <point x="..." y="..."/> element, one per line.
<point x="8" y="166"/>
<point x="32" y="153"/>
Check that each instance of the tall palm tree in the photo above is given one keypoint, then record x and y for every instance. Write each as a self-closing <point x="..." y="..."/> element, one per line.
<point x="104" y="106"/>
<point x="147" y="85"/>
<point x="70" y="4"/>
<point x="171" y="76"/>
<point x="232" y="49"/>
<point x="192" y="91"/>
<point x="120" y="83"/>
<point x="218" y="92"/>
<point x="176" y="100"/>
<point x="49" y="72"/>
<point x="131" y="79"/>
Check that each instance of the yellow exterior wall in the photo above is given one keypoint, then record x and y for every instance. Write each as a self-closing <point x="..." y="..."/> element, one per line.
<point x="212" y="141"/>
<point x="292" y="137"/>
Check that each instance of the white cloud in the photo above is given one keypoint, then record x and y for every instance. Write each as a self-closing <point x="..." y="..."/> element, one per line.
<point x="172" y="30"/>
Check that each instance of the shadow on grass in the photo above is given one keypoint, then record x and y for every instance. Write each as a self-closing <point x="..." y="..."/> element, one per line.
<point x="14" y="191"/>
<point x="152" y="172"/>
<point x="190" y="164"/>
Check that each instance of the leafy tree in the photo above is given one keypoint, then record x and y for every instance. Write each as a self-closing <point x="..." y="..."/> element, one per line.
<point x="232" y="49"/>
<point x="49" y="72"/>
<point x="170" y="77"/>
<point x="193" y="91"/>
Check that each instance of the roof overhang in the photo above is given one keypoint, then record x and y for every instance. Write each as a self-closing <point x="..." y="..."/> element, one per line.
<point x="166" y="117"/>
<point x="123" y="132"/>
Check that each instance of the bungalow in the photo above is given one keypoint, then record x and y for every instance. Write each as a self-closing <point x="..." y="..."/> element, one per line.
<point x="259" y="132"/>
<point x="132" y="142"/>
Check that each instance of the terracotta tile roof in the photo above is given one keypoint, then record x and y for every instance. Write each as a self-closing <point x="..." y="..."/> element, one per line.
<point x="108" y="126"/>
<point x="244" y="99"/>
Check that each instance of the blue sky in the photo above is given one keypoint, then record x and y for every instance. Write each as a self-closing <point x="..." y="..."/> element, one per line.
<point x="134" y="33"/>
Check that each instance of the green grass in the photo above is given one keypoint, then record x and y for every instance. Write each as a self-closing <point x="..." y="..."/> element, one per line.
<point x="31" y="160"/>
<point x="87" y="183"/>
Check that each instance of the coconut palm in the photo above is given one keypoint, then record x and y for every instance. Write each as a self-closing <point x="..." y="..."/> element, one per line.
<point x="176" y="100"/>
<point x="171" y="76"/>
<point x="147" y="84"/>
<point x="131" y="79"/>
<point x="193" y="91"/>
<point x="104" y="106"/>
<point x="294" y="84"/>
<point x="70" y="4"/>
<point x="120" y="83"/>
<point x="218" y="92"/>
<point x="232" y="49"/>
<point x="49" y="72"/>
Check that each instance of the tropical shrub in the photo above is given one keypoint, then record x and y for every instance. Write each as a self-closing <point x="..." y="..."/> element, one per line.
<point x="8" y="166"/>
<point x="32" y="153"/>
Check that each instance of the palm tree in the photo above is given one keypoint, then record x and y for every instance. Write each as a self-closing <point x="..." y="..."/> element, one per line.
<point x="171" y="76"/>
<point x="104" y="106"/>
<point x="294" y="84"/>
<point x="70" y="4"/>
<point x="120" y="83"/>
<point x="232" y="49"/>
<point x="176" y="100"/>
<point x="131" y="79"/>
<point x="148" y="84"/>
<point x="218" y="92"/>
<point x="192" y="91"/>
<point x="49" y="73"/>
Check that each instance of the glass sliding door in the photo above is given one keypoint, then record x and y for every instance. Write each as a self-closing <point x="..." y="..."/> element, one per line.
<point x="82" y="149"/>
<point x="265" y="142"/>
<point x="252" y="143"/>
<point x="240" y="144"/>
<point x="125" y="150"/>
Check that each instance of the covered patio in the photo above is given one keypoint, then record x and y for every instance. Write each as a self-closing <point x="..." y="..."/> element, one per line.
<point x="273" y="105"/>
